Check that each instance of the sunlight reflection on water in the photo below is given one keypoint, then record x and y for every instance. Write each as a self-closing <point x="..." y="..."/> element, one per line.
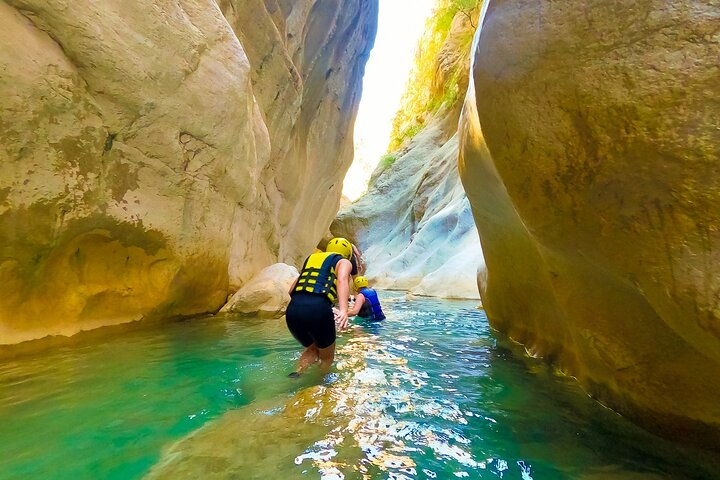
<point x="427" y="394"/>
<point x="395" y="412"/>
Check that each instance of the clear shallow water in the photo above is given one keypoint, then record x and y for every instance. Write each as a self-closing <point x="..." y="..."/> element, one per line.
<point x="427" y="394"/>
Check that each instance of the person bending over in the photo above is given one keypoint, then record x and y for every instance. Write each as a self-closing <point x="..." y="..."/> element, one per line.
<point x="367" y="304"/>
<point x="323" y="280"/>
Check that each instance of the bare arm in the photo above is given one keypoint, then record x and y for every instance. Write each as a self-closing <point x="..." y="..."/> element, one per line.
<point x="359" y="300"/>
<point x="343" y="274"/>
<point x="292" y="287"/>
<point x="359" y="260"/>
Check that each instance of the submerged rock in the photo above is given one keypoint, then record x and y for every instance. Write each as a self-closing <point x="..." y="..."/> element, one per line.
<point x="266" y="294"/>
<point x="589" y="152"/>
<point x="158" y="154"/>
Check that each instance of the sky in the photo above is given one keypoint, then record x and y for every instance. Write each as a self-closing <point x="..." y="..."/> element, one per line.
<point x="400" y="26"/>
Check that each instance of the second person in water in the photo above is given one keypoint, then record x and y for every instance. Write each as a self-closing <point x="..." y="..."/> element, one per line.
<point x="367" y="304"/>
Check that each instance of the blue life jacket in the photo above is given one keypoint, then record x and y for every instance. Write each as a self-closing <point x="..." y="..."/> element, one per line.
<point x="371" y="309"/>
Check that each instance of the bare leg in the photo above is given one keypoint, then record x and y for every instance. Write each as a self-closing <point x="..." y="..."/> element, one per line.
<point x="308" y="357"/>
<point x="326" y="355"/>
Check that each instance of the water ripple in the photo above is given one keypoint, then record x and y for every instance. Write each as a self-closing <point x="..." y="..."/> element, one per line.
<point x="391" y="413"/>
<point x="428" y="394"/>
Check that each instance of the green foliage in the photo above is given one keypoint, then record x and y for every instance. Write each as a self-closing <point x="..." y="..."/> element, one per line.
<point x="450" y="93"/>
<point x="409" y="132"/>
<point x="387" y="160"/>
<point x="441" y="66"/>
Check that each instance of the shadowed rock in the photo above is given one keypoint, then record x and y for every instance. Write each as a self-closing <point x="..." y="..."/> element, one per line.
<point x="589" y="152"/>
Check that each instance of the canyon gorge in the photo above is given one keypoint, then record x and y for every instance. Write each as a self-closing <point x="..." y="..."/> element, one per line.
<point x="557" y="161"/>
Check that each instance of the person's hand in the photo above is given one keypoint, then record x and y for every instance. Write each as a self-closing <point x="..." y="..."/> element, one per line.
<point x="341" y="320"/>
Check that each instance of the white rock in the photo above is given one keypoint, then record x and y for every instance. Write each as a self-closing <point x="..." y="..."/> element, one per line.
<point x="266" y="294"/>
<point x="415" y="226"/>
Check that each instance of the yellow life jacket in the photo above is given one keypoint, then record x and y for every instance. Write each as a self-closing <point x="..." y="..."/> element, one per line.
<point x="318" y="275"/>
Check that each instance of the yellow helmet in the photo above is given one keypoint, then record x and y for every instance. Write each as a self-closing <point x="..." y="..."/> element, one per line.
<point x="341" y="246"/>
<point x="360" y="282"/>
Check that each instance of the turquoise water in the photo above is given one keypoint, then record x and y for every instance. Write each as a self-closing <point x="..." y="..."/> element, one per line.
<point x="430" y="393"/>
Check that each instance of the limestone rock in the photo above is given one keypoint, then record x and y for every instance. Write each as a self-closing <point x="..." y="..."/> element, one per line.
<point x="589" y="152"/>
<point x="415" y="226"/>
<point x="158" y="154"/>
<point x="266" y="294"/>
<point x="308" y="60"/>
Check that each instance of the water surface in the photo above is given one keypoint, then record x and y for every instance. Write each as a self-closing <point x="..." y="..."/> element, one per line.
<point x="430" y="393"/>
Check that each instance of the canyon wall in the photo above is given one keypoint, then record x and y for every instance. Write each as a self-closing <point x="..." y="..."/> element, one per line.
<point x="156" y="155"/>
<point x="589" y="151"/>
<point x="415" y="226"/>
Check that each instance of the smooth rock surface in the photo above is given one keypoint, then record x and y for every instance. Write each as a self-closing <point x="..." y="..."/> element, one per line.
<point x="415" y="226"/>
<point x="266" y="294"/>
<point x="158" y="154"/>
<point x="589" y="151"/>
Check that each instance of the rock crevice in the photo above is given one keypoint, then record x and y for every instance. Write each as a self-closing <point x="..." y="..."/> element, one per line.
<point x="415" y="226"/>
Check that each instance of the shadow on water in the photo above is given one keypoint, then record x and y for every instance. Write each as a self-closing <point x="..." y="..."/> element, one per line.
<point x="105" y="409"/>
<point x="549" y="418"/>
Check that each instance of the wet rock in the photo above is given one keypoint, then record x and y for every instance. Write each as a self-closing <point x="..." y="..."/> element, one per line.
<point x="589" y="152"/>
<point x="266" y="294"/>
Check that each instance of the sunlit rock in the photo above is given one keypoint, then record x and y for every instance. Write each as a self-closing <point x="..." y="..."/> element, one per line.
<point x="589" y="151"/>
<point x="415" y="226"/>
<point x="158" y="154"/>
<point x="266" y="294"/>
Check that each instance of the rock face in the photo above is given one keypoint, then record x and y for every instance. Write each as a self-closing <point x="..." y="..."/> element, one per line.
<point x="158" y="154"/>
<point x="589" y="152"/>
<point x="266" y="294"/>
<point x="414" y="226"/>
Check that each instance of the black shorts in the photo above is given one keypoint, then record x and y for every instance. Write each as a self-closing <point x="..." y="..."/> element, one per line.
<point x="310" y="319"/>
